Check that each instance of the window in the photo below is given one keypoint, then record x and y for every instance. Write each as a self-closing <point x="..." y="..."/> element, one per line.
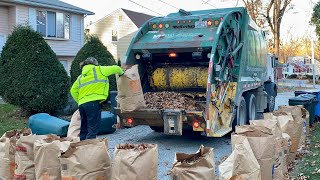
<point x="53" y="24"/>
<point x="114" y="35"/>
<point x="120" y="18"/>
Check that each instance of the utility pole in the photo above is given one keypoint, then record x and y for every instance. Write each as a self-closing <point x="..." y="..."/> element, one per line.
<point x="313" y="65"/>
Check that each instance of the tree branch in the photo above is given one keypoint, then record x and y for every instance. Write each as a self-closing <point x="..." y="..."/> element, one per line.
<point x="268" y="16"/>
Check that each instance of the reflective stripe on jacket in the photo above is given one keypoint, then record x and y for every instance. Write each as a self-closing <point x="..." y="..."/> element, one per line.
<point x="93" y="83"/>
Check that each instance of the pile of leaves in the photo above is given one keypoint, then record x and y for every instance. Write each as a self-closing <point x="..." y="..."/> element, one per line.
<point x="171" y="100"/>
<point x="140" y="147"/>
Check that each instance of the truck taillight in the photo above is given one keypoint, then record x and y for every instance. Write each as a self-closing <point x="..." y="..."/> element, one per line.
<point x="209" y="22"/>
<point x="172" y="55"/>
<point x="160" y="26"/>
<point x="196" y="124"/>
<point x="130" y="121"/>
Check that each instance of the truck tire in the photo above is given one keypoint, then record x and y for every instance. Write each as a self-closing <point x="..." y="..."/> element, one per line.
<point x="271" y="104"/>
<point x="251" y="106"/>
<point x="271" y="90"/>
<point x="156" y="128"/>
<point x="241" y="118"/>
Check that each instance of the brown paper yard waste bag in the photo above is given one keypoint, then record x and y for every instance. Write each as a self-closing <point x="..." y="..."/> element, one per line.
<point x="74" y="127"/>
<point x="241" y="164"/>
<point x="262" y="143"/>
<point x="135" y="162"/>
<point x="130" y="94"/>
<point x="46" y="157"/>
<point x="7" y="152"/>
<point x="89" y="159"/>
<point x="274" y="125"/>
<point x="24" y="156"/>
<point x="291" y="122"/>
<point x="270" y="124"/>
<point x="194" y="166"/>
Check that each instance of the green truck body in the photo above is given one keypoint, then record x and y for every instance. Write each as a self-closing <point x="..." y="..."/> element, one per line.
<point x="219" y="54"/>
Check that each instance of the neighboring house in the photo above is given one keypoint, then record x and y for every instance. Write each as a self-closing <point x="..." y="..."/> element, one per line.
<point x="300" y="66"/>
<point x="117" y="29"/>
<point x="61" y="24"/>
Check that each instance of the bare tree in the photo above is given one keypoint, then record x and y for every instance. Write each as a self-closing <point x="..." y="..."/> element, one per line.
<point x="254" y="8"/>
<point x="274" y="14"/>
<point x="275" y="9"/>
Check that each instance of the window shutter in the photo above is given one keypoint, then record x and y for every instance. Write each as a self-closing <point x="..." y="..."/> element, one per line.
<point x="33" y="18"/>
<point x="75" y="27"/>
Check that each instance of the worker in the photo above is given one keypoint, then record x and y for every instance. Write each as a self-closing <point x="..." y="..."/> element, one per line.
<point x="89" y="90"/>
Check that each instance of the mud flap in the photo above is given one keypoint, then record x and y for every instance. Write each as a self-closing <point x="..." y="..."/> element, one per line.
<point x="172" y="122"/>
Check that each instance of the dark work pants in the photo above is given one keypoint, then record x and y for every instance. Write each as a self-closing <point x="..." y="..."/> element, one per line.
<point x="90" y="113"/>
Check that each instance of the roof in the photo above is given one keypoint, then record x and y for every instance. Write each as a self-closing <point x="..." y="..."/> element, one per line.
<point x="53" y="4"/>
<point x="137" y="18"/>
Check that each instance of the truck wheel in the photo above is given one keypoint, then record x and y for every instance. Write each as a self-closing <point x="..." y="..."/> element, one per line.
<point x="271" y="104"/>
<point x="242" y="112"/>
<point x="251" y="107"/>
<point x="156" y="128"/>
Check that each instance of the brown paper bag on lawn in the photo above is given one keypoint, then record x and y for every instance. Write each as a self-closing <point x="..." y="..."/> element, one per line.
<point x="135" y="162"/>
<point x="241" y="164"/>
<point x="306" y="116"/>
<point x="46" y="157"/>
<point x="194" y="166"/>
<point x="130" y="94"/>
<point x="272" y="124"/>
<point x="75" y="124"/>
<point x="24" y="156"/>
<point x="7" y="153"/>
<point x="292" y="126"/>
<point x="88" y="159"/>
<point x="262" y="143"/>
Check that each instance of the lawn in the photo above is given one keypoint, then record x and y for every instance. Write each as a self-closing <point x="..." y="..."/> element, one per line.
<point x="309" y="166"/>
<point x="11" y="117"/>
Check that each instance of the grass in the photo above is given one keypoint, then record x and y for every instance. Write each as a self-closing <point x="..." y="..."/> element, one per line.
<point x="309" y="165"/>
<point x="11" y="117"/>
<point x="291" y="89"/>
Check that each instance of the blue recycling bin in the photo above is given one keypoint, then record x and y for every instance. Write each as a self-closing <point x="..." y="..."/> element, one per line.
<point x="317" y="103"/>
<point x="43" y="123"/>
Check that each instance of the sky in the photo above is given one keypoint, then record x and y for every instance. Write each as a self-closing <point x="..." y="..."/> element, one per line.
<point x="296" y="20"/>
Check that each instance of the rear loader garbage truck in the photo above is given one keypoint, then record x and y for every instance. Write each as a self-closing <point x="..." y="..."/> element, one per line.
<point x="203" y="71"/>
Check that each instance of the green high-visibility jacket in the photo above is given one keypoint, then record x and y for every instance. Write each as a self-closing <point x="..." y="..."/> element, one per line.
<point x="93" y="83"/>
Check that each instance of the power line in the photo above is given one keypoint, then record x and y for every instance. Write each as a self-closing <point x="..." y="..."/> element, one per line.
<point x="145" y="7"/>
<point x="207" y="2"/>
<point x="168" y="4"/>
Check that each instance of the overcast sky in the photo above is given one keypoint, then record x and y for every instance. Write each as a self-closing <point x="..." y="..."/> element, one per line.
<point x="296" y="19"/>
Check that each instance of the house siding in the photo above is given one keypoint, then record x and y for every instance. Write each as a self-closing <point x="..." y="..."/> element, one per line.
<point x="65" y="47"/>
<point x="103" y="29"/>
<point x="12" y="18"/>
<point x="69" y="62"/>
<point x="122" y="46"/>
<point x="4" y="20"/>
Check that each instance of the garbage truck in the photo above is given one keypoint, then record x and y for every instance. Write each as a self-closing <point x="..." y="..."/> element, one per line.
<point x="219" y="56"/>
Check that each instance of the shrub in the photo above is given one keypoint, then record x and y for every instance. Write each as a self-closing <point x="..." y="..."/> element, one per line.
<point x="93" y="48"/>
<point x="31" y="75"/>
<point x="292" y="76"/>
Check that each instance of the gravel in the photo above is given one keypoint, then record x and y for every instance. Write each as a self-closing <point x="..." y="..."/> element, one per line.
<point x="169" y="145"/>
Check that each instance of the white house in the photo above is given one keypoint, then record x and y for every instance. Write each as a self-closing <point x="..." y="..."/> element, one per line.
<point x="61" y="24"/>
<point x="117" y="29"/>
